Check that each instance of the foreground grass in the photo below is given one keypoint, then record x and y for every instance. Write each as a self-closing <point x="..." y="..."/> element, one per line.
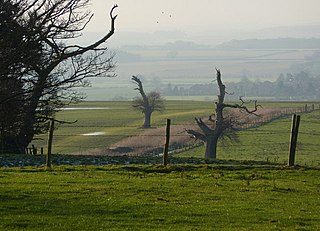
<point x="151" y="197"/>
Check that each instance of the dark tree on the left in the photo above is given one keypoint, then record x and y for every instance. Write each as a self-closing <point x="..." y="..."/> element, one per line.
<point x="40" y="64"/>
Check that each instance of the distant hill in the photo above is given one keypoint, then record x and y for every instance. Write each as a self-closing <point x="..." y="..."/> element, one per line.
<point x="279" y="43"/>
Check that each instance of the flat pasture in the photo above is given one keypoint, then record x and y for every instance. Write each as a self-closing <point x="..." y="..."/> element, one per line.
<point x="97" y="130"/>
<point x="249" y="187"/>
<point x="270" y="143"/>
<point x="189" y="67"/>
<point x="152" y="197"/>
<point x="116" y="121"/>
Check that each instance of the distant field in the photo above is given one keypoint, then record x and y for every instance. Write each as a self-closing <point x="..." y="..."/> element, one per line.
<point x="117" y="121"/>
<point x="195" y="67"/>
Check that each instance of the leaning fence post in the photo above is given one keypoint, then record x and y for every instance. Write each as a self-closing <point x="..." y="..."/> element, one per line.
<point x="293" y="138"/>
<point x="50" y="137"/>
<point x="166" y="146"/>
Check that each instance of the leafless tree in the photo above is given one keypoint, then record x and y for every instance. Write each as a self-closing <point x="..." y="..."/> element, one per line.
<point x="59" y="66"/>
<point x="147" y="103"/>
<point x="209" y="135"/>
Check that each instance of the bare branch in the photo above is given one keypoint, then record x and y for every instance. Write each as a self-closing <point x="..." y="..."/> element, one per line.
<point x="205" y="128"/>
<point x="65" y="122"/>
<point x="196" y="135"/>
<point x="211" y="119"/>
<point x="99" y="42"/>
<point x="245" y="108"/>
<point x="138" y="82"/>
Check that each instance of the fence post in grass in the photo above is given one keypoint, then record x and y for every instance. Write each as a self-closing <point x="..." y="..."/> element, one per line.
<point x="50" y="138"/>
<point x="293" y="138"/>
<point x="166" y="146"/>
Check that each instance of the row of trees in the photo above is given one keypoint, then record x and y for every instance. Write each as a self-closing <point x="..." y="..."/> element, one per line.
<point x="39" y="65"/>
<point x="290" y="86"/>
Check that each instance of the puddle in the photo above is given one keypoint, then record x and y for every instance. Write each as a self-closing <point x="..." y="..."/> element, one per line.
<point x="86" y="108"/>
<point x="94" y="134"/>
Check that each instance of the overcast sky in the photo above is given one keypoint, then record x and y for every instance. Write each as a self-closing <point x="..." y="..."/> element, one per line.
<point x="197" y="15"/>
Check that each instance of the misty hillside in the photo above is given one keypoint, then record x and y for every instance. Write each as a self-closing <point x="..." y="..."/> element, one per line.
<point x="279" y="43"/>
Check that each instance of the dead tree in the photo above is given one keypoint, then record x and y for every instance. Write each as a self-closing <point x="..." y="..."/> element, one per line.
<point x="210" y="136"/>
<point x="147" y="103"/>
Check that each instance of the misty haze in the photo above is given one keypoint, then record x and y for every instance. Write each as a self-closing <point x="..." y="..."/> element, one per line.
<point x="159" y="115"/>
<point x="171" y="48"/>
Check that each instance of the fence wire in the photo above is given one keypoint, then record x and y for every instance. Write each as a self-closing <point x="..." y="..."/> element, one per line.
<point x="104" y="139"/>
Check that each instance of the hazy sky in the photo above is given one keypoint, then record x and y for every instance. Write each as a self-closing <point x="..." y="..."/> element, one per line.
<point x="197" y="15"/>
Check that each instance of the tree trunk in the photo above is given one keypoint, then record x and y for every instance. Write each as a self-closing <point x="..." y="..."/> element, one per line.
<point x="147" y="119"/>
<point x="211" y="147"/>
<point x="27" y="132"/>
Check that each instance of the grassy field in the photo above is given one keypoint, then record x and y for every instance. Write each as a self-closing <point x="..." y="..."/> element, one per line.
<point x="270" y="142"/>
<point x="267" y="143"/>
<point x="151" y="197"/>
<point x="248" y="188"/>
<point x="117" y="122"/>
<point x="195" y="67"/>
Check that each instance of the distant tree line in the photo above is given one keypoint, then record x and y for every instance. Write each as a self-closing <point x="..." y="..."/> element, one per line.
<point x="278" y="43"/>
<point x="290" y="86"/>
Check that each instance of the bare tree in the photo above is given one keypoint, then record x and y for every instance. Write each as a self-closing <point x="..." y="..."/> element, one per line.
<point x="60" y="66"/>
<point x="147" y="103"/>
<point x="210" y="136"/>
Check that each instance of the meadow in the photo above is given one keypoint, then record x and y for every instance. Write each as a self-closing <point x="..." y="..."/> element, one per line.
<point x="249" y="187"/>
<point x="190" y="67"/>
<point x="270" y="143"/>
<point x="116" y="121"/>
<point x="152" y="197"/>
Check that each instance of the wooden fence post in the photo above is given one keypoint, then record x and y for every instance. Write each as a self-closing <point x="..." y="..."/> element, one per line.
<point x="166" y="146"/>
<point x="34" y="150"/>
<point x="293" y="138"/>
<point x="50" y="138"/>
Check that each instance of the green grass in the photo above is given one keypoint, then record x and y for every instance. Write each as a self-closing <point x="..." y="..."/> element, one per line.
<point x="151" y="197"/>
<point x="270" y="143"/>
<point x="254" y="191"/>
<point x="121" y="121"/>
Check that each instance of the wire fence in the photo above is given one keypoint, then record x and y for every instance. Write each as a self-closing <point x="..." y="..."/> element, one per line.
<point x="256" y="141"/>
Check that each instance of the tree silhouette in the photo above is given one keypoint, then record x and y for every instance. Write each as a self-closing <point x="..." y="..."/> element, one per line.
<point x="59" y="67"/>
<point x="147" y="103"/>
<point x="222" y="126"/>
